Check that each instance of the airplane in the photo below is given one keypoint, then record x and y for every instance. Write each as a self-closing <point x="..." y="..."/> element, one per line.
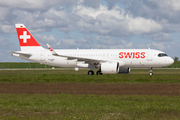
<point x="110" y="61"/>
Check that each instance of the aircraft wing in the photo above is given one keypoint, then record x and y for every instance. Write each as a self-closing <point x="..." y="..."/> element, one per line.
<point x="25" y="54"/>
<point x="88" y="60"/>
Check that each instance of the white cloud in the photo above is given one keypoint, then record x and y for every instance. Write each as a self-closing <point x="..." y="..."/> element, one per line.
<point x="167" y="4"/>
<point x="113" y="22"/>
<point x="158" y="45"/>
<point x="164" y="12"/>
<point x="25" y="4"/>
<point x="102" y="21"/>
<point x="91" y="3"/>
<point x="35" y="4"/>
<point x="7" y="29"/>
<point x="140" y="25"/>
<point x="159" y="37"/>
<point x="74" y="43"/>
<point x="115" y="12"/>
<point x="43" y="40"/>
<point x="68" y="43"/>
<point x="107" y="42"/>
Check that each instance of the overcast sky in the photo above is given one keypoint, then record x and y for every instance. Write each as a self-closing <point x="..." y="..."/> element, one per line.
<point x="86" y="24"/>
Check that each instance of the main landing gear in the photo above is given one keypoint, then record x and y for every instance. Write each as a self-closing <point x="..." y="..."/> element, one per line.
<point x="98" y="73"/>
<point x="150" y="71"/>
<point x="92" y="72"/>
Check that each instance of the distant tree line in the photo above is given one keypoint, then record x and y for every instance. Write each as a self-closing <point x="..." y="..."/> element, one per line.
<point x="175" y="59"/>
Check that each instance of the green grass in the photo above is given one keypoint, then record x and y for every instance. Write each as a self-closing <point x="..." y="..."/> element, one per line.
<point x="89" y="107"/>
<point x="81" y="107"/>
<point x="11" y="65"/>
<point x="136" y="76"/>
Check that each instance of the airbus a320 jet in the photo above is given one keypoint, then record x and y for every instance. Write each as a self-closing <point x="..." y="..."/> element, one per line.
<point x="111" y="61"/>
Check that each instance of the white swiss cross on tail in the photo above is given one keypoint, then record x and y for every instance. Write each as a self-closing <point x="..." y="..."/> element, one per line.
<point x="25" y="36"/>
<point x="26" y="40"/>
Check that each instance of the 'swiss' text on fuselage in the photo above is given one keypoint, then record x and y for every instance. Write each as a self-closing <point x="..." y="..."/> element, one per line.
<point x="132" y="55"/>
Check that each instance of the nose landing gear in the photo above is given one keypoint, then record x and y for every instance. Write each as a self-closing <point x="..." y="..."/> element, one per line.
<point x="150" y="71"/>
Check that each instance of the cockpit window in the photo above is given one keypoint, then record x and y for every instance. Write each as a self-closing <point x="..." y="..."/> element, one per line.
<point x="162" y="55"/>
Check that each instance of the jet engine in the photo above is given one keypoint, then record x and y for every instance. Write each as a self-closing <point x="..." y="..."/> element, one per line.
<point x="108" y="67"/>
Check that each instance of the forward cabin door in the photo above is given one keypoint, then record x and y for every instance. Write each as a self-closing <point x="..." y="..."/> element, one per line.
<point x="150" y="55"/>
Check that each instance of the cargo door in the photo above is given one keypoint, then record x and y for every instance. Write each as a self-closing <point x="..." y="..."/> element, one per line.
<point x="42" y="56"/>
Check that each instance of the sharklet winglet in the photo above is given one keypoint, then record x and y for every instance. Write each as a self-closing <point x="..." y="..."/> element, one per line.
<point x="52" y="51"/>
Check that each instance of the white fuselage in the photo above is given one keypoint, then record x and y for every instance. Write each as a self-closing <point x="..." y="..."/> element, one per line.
<point x="129" y="57"/>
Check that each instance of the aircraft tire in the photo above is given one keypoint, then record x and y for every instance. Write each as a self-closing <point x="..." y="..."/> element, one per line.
<point x="151" y="73"/>
<point x="98" y="73"/>
<point x="90" y="72"/>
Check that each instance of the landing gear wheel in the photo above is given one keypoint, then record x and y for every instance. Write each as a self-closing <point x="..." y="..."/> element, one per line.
<point x="90" y="72"/>
<point x="98" y="73"/>
<point x="151" y="73"/>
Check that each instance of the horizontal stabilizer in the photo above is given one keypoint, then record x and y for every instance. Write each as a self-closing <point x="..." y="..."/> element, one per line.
<point x="20" y="53"/>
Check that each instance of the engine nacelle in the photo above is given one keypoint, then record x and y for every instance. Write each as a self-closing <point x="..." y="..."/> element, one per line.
<point x="112" y="68"/>
<point x="124" y="70"/>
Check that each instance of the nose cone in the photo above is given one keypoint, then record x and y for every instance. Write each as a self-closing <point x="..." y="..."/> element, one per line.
<point x="171" y="61"/>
